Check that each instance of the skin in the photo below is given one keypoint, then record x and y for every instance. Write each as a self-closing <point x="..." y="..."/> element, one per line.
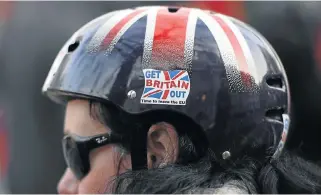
<point x="162" y="145"/>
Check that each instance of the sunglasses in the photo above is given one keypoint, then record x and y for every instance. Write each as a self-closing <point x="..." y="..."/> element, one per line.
<point x="76" y="150"/>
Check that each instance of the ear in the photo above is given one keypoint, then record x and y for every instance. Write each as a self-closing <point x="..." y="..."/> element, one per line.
<point x="162" y="145"/>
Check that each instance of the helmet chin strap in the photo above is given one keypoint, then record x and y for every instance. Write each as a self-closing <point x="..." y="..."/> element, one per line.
<point x="137" y="140"/>
<point x="139" y="150"/>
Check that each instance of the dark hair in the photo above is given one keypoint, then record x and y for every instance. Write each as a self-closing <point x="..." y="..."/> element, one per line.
<point x="289" y="174"/>
<point x="198" y="171"/>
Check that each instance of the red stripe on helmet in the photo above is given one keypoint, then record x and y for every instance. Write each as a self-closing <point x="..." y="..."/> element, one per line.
<point x="169" y="37"/>
<point x="244" y="68"/>
<point x="114" y="31"/>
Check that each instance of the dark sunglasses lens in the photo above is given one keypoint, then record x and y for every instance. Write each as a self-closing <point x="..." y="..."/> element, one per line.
<point x="72" y="157"/>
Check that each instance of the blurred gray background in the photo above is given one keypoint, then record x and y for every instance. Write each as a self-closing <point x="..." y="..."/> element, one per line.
<point x="32" y="33"/>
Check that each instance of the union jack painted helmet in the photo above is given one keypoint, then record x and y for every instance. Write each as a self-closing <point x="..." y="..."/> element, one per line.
<point x="206" y="70"/>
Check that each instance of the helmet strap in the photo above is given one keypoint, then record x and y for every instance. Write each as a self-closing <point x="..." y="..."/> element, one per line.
<point x="139" y="150"/>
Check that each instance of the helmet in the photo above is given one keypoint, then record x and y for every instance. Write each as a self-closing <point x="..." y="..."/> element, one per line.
<point x="200" y="67"/>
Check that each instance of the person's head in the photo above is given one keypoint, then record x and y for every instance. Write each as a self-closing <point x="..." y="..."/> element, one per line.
<point x="151" y="87"/>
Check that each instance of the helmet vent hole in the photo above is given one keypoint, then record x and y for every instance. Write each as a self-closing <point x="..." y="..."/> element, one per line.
<point x="274" y="82"/>
<point x="173" y="9"/>
<point x="275" y="114"/>
<point x="73" y="46"/>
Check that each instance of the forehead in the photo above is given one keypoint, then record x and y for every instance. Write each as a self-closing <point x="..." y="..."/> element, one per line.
<point x="78" y="120"/>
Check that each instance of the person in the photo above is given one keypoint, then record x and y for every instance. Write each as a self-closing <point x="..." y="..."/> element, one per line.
<point x="30" y="151"/>
<point x="175" y="100"/>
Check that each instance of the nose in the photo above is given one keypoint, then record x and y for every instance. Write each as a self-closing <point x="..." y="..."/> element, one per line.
<point x="68" y="183"/>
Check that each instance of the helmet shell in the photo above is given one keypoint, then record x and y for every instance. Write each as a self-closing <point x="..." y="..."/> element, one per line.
<point x="214" y="69"/>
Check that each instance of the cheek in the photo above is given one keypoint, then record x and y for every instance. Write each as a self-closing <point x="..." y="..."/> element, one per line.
<point x="105" y="164"/>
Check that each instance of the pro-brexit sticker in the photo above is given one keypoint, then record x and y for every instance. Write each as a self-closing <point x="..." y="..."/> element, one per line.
<point x="166" y="87"/>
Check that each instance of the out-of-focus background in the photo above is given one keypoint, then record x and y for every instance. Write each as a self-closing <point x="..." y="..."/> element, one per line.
<point x="32" y="33"/>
